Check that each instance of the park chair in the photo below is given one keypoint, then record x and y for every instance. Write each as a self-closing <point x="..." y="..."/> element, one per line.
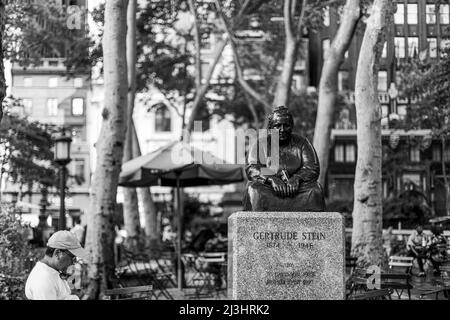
<point x="138" y="267"/>
<point x="165" y="270"/>
<point x="397" y="282"/>
<point x="133" y="293"/>
<point x="401" y="263"/>
<point x="204" y="279"/>
<point x="379" y="294"/>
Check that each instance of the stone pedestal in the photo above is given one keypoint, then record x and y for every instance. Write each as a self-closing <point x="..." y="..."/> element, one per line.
<point x="286" y="256"/>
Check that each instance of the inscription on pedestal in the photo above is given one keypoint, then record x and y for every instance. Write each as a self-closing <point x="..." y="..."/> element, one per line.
<point x="292" y="255"/>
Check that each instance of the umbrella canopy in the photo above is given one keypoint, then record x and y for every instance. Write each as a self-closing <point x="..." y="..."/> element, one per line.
<point x="179" y="165"/>
<point x="193" y="166"/>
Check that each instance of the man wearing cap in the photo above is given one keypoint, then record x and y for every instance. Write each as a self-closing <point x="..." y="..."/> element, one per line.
<point x="47" y="279"/>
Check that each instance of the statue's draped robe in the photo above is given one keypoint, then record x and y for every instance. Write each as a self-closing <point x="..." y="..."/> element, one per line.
<point x="298" y="158"/>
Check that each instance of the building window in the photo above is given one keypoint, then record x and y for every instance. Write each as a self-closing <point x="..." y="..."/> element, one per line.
<point x="27" y="82"/>
<point x="437" y="153"/>
<point x="79" y="171"/>
<point x="350" y="153"/>
<point x="344" y="152"/>
<point x="413" y="46"/>
<point x="52" y="82"/>
<point x="447" y="154"/>
<point x="384" y="111"/>
<point x="326" y="16"/>
<point x="382" y="81"/>
<point x="431" y="14"/>
<point x="27" y="106"/>
<point x="162" y="119"/>
<point x="206" y="41"/>
<point x="78" y="82"/>
<point x="432" y="47"/>
<point x="52" y="107"/>
<point x="339" y="153"/>
<point x="400" y="50"/>
<point x="384" y="185"/>
<point x="414" y="154"/>
<point x="444" y="13"/>
<point x="401" y="111"/>
<point x="384" y="52"/>
<point x="412" y="13"/>
<point x="399" y="17"/>
<point x="77" y="106"/>
<point x="325" y="47"/>
<point x="343" y="81"/>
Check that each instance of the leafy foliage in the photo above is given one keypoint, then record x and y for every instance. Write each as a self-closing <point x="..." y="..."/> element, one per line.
<point x="16" y="256"/>
<point x="25" y="152"/>
<point x="410" y="208"/>
<point x="428" y="81"/>
<point x="39" y="30"/>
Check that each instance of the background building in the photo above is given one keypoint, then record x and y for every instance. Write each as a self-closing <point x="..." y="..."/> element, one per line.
<point x="417" y="33"/>
<point x="51" y="96"/>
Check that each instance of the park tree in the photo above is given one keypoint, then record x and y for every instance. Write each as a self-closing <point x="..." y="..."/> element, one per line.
<point x="132" y="149"/>
<point x="100" y="233"/>
<point x="130" y="200"/>
<point x="328" y="82"/>
<point x="367" y="242"/>
<point x="274" y="58"/>
<point x="2" y="67"/>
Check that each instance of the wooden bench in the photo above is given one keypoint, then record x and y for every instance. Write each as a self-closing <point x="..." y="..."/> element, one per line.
<point x="406" y="263"/>
<point x="380" y="294"/>
<point x="142" y="292"/>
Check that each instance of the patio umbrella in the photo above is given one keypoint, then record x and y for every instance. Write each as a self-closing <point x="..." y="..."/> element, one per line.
<point x="179" y="165"/>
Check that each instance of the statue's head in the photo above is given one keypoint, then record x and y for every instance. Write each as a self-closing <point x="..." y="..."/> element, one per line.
<point x="281" y="119"/>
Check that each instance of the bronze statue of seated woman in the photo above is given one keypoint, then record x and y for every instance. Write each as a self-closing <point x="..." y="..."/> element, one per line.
<point x="293" y="185"/>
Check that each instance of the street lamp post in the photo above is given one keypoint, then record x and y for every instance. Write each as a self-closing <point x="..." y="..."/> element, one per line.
<point x="62" y="158"/>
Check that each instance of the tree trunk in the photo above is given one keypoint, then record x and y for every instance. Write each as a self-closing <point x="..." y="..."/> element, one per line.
<point x="328" y="83"/>
<point x="293" y="39"/>
<point x="367" y="243"/>
<point x="444" y="174"/>
<point x="130" y="199"/>
<point x="2" y="67"/>
<point x="100" y="237"/>
<point x="150" y="214"/>
<point x="197" y="41"/>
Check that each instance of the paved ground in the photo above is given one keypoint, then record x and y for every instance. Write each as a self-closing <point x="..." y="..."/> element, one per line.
<point x="420" y="285"/>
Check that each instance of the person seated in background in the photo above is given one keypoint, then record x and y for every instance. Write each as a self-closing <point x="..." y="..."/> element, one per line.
<point x="416" y="246"/>
<point x="437" y="248"/>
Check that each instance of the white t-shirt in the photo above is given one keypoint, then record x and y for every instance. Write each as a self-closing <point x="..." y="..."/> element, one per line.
<point x="44" y="283"/>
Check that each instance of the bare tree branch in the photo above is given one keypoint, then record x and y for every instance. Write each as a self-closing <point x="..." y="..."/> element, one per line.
<point x="240" y="76"/>
<point x="197" y="41"/>
<point x="200" y="92"/>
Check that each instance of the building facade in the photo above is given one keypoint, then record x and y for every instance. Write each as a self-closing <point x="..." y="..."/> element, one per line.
<point x="417" y="33"/>
<point x="50" y="96"/>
